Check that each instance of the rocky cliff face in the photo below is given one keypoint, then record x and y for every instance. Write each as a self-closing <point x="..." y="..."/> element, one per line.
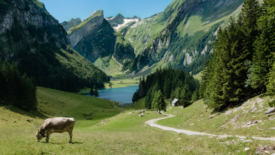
<point x="95" y="39"/>
<point x="71" y="23"/>
<point x="38" y="44"/>
<point x="115" y="21"/>
<point x="33" y="16"/>
<point x="181" y="36"/>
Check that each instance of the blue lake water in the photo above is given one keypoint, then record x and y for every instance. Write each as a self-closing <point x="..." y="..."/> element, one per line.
<point x="122" y="95"/>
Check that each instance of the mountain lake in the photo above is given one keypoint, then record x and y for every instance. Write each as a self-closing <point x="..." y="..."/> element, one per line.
<point x="122" y="95"/>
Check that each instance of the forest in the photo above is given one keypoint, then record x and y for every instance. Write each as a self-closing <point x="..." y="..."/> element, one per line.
<point x="242" y="65"/>
<point x="171" y="83"/>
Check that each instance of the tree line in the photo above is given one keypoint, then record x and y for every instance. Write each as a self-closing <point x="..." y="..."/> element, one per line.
<point x="16" y="89"/>
<point x="168" y="83"/>
<point x="242" y="64"/>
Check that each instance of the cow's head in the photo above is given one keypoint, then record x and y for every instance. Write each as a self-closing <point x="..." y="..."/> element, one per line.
<point x="40" y="134"/>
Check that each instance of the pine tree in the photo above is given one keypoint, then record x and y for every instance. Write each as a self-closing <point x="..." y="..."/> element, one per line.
<point x="262" y="58"/>
<point x="92" y="90"/>
<point x="135" y="97"/>
<point x="96" y="91"/>
<point x="158" y="102"/>
<point x="249" y="16"/>
<point x="141" y="90"/>
<point x="195" y="95"/>
<point x="185" y="96"/>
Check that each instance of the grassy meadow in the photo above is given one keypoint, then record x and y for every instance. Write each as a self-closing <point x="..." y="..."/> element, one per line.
<point x="108" y="131"/>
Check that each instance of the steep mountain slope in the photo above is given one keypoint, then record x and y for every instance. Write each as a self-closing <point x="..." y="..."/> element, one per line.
<point x="96" y="40"/>
<point x="38" y="44"/>
<point x="119" y="21"/>
<point x="181" y="36"/>
<point x="71" y="23"/>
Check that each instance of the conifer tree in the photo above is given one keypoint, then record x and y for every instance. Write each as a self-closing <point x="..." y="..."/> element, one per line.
<point x="92" y="90"/>
<point x="185" y="96"/>
<point x="195" y="95"/>
<point x="96" y="91"/>
<point x="158" y="102"/>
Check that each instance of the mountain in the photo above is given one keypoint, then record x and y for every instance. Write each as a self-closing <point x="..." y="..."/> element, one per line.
<point x="119" y="22"/>
<point x="181" y="36"/>
<point x="71" y="23"/>
<point x="115" y="21"/>
<point x="39" y="45"/>
<point x="97" y="41"/>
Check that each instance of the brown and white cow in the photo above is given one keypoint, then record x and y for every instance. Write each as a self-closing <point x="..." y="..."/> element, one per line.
<point x="55" y="125"/>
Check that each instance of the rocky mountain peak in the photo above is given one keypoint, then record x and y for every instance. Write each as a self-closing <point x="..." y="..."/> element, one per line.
<point x="71" y="23"/>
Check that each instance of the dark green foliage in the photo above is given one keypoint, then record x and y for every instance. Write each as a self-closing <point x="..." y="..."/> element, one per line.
<point x="135" y="97"/>
<point x="169" y="82"/>
<point x="92" y="91"/>
<point x="16" y="90"/>
<point x="271" y="103"/>
<point x="124" y="52"/>
<point x="158" y="102"/>
<point x="242" y="60"/>
<point x="185" y="96"/>
<point x="195" y="95"/>
<point x="43" y="53"/>
<point x="96" y="91"/>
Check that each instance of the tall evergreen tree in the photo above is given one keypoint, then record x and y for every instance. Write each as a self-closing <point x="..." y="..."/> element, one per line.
<point x="92" y="90"/>
<point x="158" y="102"/>
<point x="96" y="91"/>
<point x="185" y="96"/>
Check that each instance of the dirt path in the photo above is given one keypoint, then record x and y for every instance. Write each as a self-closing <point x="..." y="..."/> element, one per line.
<point x="188" y="132"/>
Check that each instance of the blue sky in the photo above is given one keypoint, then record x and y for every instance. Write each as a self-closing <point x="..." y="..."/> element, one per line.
<point x="64" y="10"/>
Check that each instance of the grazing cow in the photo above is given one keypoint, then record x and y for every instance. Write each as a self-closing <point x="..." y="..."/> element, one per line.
<point x="55" y="125"/>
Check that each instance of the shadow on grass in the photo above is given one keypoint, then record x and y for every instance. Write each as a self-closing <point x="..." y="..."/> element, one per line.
<point x="33" y="114"/>
<point x="73" y="143"/>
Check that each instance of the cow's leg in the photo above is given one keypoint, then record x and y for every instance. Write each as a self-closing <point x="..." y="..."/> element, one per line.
<point x="47" y="137"/>
<point x="71" y="136"/>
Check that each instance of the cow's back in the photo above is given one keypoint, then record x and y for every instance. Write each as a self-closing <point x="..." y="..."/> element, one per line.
<point x="59" y="124"/>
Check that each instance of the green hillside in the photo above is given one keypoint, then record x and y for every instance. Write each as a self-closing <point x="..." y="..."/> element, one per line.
<point x="182" y="36"/>
<point x="40" y="49"/>
<point x="96" y="40"/>
<point x="109" y="130"/>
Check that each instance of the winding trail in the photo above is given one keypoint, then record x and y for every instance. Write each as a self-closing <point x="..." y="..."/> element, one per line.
<point x="188" y="132"/>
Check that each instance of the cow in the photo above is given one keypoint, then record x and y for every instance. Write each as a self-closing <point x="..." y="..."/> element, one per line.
<point x="55" y="125"/>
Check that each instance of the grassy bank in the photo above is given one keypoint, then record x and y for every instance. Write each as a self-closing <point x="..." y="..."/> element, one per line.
<point x="110" y="131"/>
<point x="247" y="119"/>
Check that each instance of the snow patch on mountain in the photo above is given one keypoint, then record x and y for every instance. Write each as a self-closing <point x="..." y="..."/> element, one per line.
<point x="125" y="22"/>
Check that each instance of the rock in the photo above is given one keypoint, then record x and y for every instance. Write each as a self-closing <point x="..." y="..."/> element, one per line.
<point x="212" y="116"/>
<point x="270" y="110"/>
<point x="267" y="152"/>
<point x="254" y="109"/>
<point x="271" y="114"/>
<point x="141" y="115"/>
<point x="71" y="23"/>
<point x="130" y="113"/>
<point x="246" y="149"/>
<point x="191" y="124"/>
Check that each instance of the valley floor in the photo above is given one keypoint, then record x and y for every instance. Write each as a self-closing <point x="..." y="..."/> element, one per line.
<point x="115" y="131"/>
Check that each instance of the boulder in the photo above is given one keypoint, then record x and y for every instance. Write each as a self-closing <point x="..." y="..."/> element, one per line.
<point x="141" y="115"/>
<point x="270" y="110"/>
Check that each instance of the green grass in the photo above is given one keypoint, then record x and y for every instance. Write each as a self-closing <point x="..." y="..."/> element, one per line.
<point x="198" y="76"/>
<point x="196" y="118"/>
<point x="98" y="13"/>
<point x="115" y="132"/>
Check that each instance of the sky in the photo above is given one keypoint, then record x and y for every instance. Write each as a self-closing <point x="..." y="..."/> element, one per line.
<point x="64" y="10"/>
